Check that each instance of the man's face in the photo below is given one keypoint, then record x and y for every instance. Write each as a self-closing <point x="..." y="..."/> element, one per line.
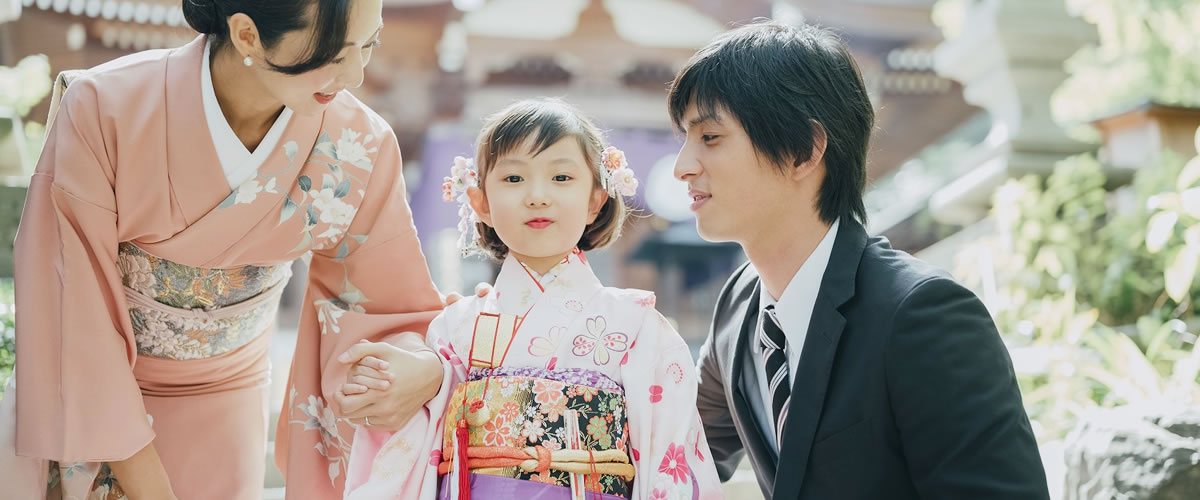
<point x="737" y="194"/>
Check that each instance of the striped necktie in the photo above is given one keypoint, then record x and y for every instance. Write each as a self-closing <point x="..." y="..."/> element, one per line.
<point x="774" y="349"/>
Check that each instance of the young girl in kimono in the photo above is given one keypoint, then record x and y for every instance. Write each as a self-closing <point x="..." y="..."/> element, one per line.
<point x="554" y="386"/>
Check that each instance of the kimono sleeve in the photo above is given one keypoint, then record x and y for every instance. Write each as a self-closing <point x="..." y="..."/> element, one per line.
<point x="372" y="284"/>
<point x="375" y="283"/>
<point x="670" y="452"/>
<point x="77" y="398"/>
<point x="404" y="464"/>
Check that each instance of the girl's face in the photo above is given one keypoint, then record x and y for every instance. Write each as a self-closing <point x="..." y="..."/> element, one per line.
<point x="539" y="204"/>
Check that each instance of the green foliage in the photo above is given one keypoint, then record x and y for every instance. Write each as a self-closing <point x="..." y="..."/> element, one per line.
<point x="1085" y="302"/>
<point x="7" y="333"/>
<point x="1095" y="290"/>
<point x="21" y="88"/>
<point x="1146" y="53"/>
<point x="25" y="85"/>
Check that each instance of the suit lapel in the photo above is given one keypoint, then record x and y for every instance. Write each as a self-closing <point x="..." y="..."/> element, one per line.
<point x="817" y="358"/>
<point x="756" y="443"/>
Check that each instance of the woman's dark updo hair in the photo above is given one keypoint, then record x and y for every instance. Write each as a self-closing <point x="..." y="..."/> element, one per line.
<point x="275" y="18"/>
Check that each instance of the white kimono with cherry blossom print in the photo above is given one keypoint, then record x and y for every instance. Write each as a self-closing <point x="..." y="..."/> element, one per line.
<point x="572" y="329"/>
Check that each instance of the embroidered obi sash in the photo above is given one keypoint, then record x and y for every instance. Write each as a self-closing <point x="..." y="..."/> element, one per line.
<point x="181" y="312"/>
<point x="543" y="426"/>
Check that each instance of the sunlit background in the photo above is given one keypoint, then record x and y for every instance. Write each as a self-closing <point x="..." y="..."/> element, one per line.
<point x="1042" y="150"/>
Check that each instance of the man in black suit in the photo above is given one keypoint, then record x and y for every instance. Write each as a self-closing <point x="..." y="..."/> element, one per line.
<point x="844" y="368"/>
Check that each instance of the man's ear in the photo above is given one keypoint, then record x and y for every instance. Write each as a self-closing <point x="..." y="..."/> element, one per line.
<point x="596" y="203"/>
<point x="816" y="158"/>
<point x="480" y="205"/>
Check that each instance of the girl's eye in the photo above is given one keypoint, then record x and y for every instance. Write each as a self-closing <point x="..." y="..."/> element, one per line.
<point x="562" y="178"/>
<point x="512" y="178"/>
<point x="708" y="138"/>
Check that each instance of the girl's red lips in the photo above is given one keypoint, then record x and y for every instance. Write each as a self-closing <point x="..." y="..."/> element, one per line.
<point x="539" y="223"/>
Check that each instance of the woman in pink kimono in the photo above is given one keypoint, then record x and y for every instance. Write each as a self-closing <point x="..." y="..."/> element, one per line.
<point x="555" y="386"/>
<point x="174" y="191"/>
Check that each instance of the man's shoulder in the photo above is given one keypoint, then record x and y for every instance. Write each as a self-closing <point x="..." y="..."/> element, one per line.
<point x="886" y="276"/>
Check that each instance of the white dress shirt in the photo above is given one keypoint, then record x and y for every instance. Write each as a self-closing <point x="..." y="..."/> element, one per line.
<point x="794" y="309"/>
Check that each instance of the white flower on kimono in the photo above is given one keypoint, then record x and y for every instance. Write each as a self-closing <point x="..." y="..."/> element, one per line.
<point x="330" y="311"/>
<point x="247" y="192"/>
<point x="195" y="325"/>
<point x="534" y="429"/>
<point x="350" y="150"/>
<point x="156" y="338"/>
<point x="103" y="491"/>
<point x="319" y="416"/>
<point x="137" y="273"/>
<point x="351" y="298"/>
<point x="332" y="232"/>
<point x="328" y="316"/>
<point x="332" y="209"/>
<point x="598" y="343"/>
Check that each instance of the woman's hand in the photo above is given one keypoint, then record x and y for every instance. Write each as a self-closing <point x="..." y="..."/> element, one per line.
<point x="377" y="367"/>
<point x="387" y="383"/>
<point x="481" y="290"/>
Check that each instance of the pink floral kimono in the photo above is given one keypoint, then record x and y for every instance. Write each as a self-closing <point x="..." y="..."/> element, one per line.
<point x="147" y="290"/>
<point x="555" y="387"/>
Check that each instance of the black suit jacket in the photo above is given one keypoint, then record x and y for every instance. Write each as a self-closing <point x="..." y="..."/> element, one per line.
<point x="904" y="389"/>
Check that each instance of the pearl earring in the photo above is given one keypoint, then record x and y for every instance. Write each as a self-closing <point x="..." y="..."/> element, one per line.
<point x="247" y="61"/>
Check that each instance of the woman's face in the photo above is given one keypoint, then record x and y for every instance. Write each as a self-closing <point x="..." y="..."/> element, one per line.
<point x="308" y="93"/>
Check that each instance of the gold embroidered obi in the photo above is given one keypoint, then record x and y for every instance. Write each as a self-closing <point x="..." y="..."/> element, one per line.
<point x="182" y="312"/>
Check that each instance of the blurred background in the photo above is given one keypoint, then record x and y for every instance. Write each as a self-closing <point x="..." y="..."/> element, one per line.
<point x="1044" y="151"/>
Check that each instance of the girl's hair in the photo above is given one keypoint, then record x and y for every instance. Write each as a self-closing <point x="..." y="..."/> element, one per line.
<point x="275" y="18"/>
<point x="546" y="121"/>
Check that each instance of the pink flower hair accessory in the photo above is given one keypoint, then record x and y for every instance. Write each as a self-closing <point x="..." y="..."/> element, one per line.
<point x="463" y="175"/>
<point x="617" y="177"/>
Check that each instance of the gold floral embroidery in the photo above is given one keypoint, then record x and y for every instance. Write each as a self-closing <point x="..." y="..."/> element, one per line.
<point x="172" y="323"/>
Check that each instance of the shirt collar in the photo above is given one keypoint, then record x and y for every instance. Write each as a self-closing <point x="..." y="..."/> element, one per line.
<point x="799" y="296"/>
